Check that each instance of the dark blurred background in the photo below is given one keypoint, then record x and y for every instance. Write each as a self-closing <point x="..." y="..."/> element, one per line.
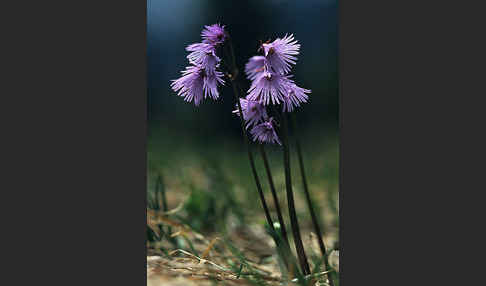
<point x="199" y="151"/>
<point x="172" y="25"/>
<point x="186" y="143"/>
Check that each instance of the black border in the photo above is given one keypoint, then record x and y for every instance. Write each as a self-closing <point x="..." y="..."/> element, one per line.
<point x="407" y="117"/>
<point x="77" y="143"/>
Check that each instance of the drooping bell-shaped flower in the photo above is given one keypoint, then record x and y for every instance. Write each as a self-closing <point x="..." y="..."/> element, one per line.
<point x="254" y="67"/>
<point x="203" y="55"/>
<point x="195" y="84"/>
<point x="294" y="97"/>
<point x="253" y="112"/>
<point x="265" y="132"/>
<point x="213" y="34"/>
<point x="280" y="54"/>
<point x="268" y="87"/>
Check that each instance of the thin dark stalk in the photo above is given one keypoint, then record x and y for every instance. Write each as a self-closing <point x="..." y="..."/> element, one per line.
<point x="160" y="195"/>
<point x="252" y="162"/>
<point x="315" y="222"/>
<point x="162" y="192"/>
<point x="286" y="249"/>
<point x="259" y="187"/>
<point x="245" y="138"/>
<point x="165" y="208"/>
<point x="299" y="246"/>
<point x="233" y="58"/>
<point x="156" y="204"/>
<point x="274" y="193"/>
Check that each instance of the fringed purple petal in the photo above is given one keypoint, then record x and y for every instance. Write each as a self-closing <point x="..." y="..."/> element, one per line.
<point x="268" y="87"/>
<point x="196" y="84"/>
<point x="211" y="82"/>
<point x="254" y="67"/>
<point x="280" y="54"/>
<point x="265" y="133"/>
<point x="213" y="34"/>
<point x="203" y="55"/>
<point x="294" y="97"/>
<point x="253" y="112"/>
<point x="190" y="85"/>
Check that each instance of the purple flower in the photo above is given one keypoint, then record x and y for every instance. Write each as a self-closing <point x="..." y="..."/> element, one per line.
<point x="265" y="132"/>
<point x="280" y="53"/>
<point x="204" y="55"/>
<point x="254" y="67"/>
<point x="211" y="81"/>
<point x="253" y="112"/>
<point x="213" y="34"/>
<point x="195" y="84"/>
<point x="294" y="97"/>
<point x="190" y="85"/>
<point x="268" y="86"/>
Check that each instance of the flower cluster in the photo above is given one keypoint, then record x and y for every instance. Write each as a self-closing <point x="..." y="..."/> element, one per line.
<point x="202" y="78"/>
<point x="271" y="81"/>
<point x="271" y="85"/>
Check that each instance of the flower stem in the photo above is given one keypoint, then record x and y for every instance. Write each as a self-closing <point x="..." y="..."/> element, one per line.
<point x="274" y="193"/>
<point x="290" y="200"/>
<point x="160" y="182"/>
<point x="234" y="74"/>
<point x="315" y="223"/>
<point x="285" y="249"/>
<point x="252" y="162"/>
